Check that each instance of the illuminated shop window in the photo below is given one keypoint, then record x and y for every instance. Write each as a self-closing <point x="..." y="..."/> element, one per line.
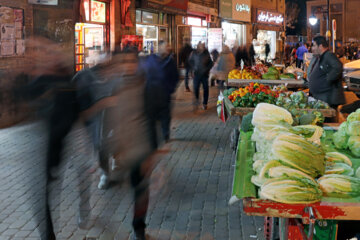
<point x="87" y="9"/>
<point x="98" y="11"/>
<point x="193" y="21"/>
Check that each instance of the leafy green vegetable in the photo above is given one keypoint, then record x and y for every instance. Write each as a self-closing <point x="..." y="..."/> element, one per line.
<point x="246" y="125"/>
<point x="353" y="128"/>
<point x="340" y="140"/>
<point x="354" y="145"/>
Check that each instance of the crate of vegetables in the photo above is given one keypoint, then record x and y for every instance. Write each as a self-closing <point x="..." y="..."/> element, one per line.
<point x="243" y="100"/>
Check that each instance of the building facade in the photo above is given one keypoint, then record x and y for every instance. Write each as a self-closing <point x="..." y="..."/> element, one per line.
<point x="344" y="12"/>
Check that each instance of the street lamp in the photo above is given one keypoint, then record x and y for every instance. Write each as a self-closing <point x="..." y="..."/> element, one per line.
<point x="312" y="20"/>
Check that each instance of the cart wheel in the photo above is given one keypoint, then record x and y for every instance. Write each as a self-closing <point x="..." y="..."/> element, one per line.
<point x="271" y="228"/>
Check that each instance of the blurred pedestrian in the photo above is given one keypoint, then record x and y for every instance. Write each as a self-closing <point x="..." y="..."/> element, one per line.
<point x="214" y="57"/>
<point x="293" y="56"/>
<point x="300" y="55"/>
<point x="252" y="54"/>
<point x="242" y="56"/>
<point x="184" y="59"/>
<point x="161" y="81"/>
<point x="201" y="64"/>
<point x="267" y="51"/>
<point x="222" y="67"/>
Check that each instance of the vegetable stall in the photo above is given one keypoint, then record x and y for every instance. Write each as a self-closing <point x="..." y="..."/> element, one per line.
<point x="303" y="175"/>
<point x="273" y="76"/>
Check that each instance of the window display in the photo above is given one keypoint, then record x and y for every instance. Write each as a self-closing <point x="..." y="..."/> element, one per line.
<point x="264" y="37"/>
<point x="150" y="37"/>
<point x="234" y="34"/>
<point x="198" y="34"/>
<point x="90" y="44"/>
<point x="152" y="27"/>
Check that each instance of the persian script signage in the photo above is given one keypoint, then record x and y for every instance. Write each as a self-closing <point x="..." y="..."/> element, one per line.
<point x="271" y="18"/>
<point x="236" y="9"/>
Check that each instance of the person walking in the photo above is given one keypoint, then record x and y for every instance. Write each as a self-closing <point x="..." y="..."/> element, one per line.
<point x="252" y="54"/>
<point x="162" y="77"/>
<point x="201" y="63"/>
<point x="185" y="52"/>
<point x="267" y="51"/>
<point x="222" y="67"/>
<point x="300" y="55"/>
<point x="325" y="74"/>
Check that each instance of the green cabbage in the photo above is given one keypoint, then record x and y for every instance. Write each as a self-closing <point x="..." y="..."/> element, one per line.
<point x="353" y="128"/>
<point x="340" y="140"/>
<point x="355" y="116"/>
<point x="354" y="145"/>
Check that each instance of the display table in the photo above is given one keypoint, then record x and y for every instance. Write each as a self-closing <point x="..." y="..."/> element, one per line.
<point x="289" y="83"/>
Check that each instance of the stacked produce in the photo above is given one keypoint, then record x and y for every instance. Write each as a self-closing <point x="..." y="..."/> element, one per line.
<point x="339" y="180"/>
<point x="348" y="135"/>
<point x="341" y="186"/>
<point x="271" y="74"/>
<point x="260" y="68"/>
<point x="299" y="99"/>
<point x="286" y="162"/>
<point x="251" y="95"/>
<point x="246" y="73"/>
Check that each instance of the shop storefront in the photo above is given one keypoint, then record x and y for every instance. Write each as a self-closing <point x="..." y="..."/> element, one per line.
<point x="155" y="21"/>
<point x="93" y="35"/>
<point x="153" y="27"/>
<point x="236" y="15"/>
<point x="267" y="30"/>
<point x="194" y="27"/>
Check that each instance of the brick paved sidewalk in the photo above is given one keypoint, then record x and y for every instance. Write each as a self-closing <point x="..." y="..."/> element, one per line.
<point x="191" y="185"/>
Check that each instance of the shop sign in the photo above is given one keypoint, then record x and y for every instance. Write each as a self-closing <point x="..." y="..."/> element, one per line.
<point x="193" y="7"/>
<point x="236" y="9"/>
<point x="242" y="7"/>
<point x="44" y="2"/>
<point x="241" y="10"/>
<point x="98" y="11"/>
<point x="271" y="18"/>
<point x="215" y="39"/>
<point x="174" y="6"/>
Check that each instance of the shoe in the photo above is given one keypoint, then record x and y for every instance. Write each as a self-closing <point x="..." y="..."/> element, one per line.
<point x="204" y="107"/>
<point x="187" y="89"/>
<point x="104" y="182"/>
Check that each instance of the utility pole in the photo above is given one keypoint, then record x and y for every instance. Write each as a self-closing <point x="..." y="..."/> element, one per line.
<point x="328" y="32"/>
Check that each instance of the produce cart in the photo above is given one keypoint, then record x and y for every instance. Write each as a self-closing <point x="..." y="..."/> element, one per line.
<point x="296" y="221"/>
<point x="289" y="83"/>
<point x="237" y="111"/>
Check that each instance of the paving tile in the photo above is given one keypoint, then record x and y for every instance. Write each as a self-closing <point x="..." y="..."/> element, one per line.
<point x="190" y="185"/>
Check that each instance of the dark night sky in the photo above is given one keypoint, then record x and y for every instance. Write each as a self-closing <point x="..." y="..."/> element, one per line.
<point x="300" y="27"/>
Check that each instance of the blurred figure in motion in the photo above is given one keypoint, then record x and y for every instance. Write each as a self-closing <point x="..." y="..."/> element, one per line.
<point x="101" y="95"/>
<point x="128" y="142"/>
<point x="251" y="54"/>
<point x="267" y="51"/>
<point x="201" y="63"/>
<point x="51" y="72"/>
<point x="161" y="80"/>
<point x="214" y="57"/>
<point x="184" y="59"/>
<point x="221" y="69"/>
<point x="242" y="55"/>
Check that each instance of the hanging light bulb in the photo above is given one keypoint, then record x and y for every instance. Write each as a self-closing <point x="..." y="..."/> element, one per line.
<point x="312" y="20"/>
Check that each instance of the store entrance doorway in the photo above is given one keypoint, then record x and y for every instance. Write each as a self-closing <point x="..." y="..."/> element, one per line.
<point x="90" y="44"/>
<point x="263" y="37"/>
